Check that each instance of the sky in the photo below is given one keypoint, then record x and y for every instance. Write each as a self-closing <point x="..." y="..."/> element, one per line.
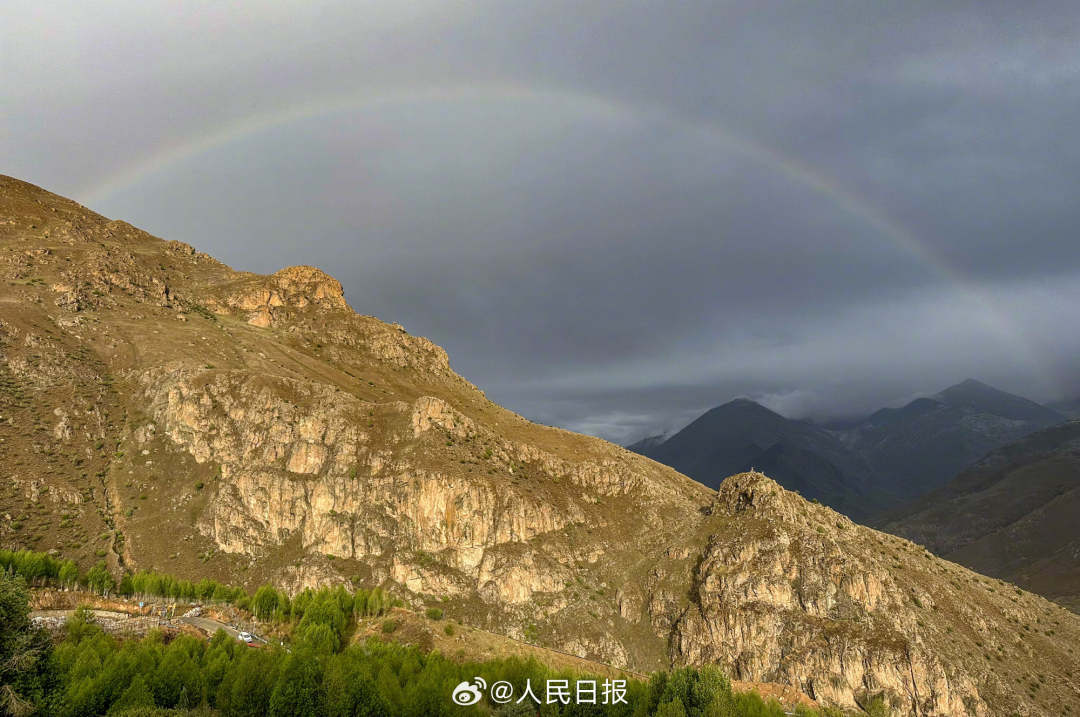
<point x="613" y="215"/>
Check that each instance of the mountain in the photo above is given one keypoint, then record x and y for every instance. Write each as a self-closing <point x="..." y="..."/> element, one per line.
<point x="741" y="435"/>
<point x="865" y="469"/>
<point x="1012" y="515"/>
<point x="921" y="446"/>
<point x="646" y="444"/>
<point x="979" y="398"/>
<point x="1069" y="408"/>
<point x="160" y="410"/>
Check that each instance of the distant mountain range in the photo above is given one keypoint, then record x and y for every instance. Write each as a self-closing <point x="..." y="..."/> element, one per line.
<point x="742" y="435"/>
<point x="867" y="468"/>
<point x="1012" y="515"/>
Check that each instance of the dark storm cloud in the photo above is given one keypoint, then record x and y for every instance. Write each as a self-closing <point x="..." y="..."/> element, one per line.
<point x="612" y="215"/>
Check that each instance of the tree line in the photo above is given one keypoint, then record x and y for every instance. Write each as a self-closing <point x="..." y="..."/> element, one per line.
<point x="267" y="604"/>
<point x="85" y="671"/>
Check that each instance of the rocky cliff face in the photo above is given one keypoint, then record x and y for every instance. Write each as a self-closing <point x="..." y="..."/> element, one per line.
<point x="796" y="599"/>
<point x="172" y="413"/>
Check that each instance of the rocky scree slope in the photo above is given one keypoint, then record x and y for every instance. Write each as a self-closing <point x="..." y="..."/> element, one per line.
<point x="166" y="412"/>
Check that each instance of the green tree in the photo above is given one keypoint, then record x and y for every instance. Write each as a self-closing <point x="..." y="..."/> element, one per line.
<point x="701" y="692"/>
<point x="297" y="688"/>
<point x="672" y="708"/>
<point x="265" y="602"/>
<point x="301" y="601"/>
<point x="386" y="682"/>
<point x="319" y="638"/>
<point x="23" y="650"/>
<point x="246" y="688"/>
<point x="204" y="589"/>
<point x="217" y="660"/>
<point x="348" y="689"/>
<point x="99" y="580"/>
<point x="137" y="694"/>
<point x="68" y="574"/>
<point x="178" y="674"/>
<point x="81" y="625"/>
<point x="324" y="609"/>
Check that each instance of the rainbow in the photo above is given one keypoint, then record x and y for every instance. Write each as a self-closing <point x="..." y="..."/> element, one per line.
<point x="709" y="133"/>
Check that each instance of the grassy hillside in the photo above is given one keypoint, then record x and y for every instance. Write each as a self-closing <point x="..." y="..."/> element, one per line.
<point x="1012" y="515"/>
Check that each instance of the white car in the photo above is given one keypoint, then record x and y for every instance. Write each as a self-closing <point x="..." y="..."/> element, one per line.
<point x="245" y="637"/>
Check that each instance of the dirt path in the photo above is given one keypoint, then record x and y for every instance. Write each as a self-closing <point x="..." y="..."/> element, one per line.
<point x="116" y="618"/>
<point x="103" y="614"/>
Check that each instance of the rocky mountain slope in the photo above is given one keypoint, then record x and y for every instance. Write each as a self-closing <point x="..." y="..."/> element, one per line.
<point x="1012" y="515"/>
<point x="166" y="412"/>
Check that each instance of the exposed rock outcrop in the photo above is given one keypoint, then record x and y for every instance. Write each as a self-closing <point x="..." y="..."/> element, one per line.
<point x="273" y="299"/>
<point x="784" y="602"/>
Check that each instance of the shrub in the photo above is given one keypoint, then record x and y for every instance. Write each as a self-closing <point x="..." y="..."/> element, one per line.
<point x="434" y="613"/>
<point x="389" y="626"/>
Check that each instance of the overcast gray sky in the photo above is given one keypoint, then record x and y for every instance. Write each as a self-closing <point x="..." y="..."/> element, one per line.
<point x="613" y="215"/>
